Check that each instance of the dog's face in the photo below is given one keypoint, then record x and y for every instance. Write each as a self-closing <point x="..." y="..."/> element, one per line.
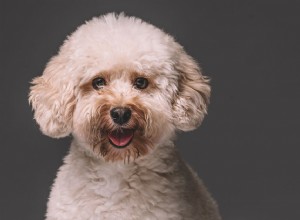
<point x="121" y="87"/>
<point x="121" y="113"/>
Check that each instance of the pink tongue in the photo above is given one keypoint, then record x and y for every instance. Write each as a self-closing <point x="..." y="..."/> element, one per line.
<point x="121" y="138"/>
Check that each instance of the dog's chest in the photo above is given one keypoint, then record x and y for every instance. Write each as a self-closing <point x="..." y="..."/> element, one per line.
<point x="115" y="192"/>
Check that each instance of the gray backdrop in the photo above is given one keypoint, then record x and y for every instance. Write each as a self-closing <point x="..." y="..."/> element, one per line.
<point x="246" y="151"/>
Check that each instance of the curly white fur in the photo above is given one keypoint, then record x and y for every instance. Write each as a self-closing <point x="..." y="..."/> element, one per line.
<point x="146" y="179"/>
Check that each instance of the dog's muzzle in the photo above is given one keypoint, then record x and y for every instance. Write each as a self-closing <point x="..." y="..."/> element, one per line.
<point x="120" y="137"/>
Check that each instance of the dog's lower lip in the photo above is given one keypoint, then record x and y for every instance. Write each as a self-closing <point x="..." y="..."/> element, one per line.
<point x="121" y="138"/>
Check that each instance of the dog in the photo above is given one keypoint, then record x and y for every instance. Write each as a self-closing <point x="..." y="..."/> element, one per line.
<point x="123" y="88"/>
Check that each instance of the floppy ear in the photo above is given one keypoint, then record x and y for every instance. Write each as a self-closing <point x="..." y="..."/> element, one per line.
<point x="190" y="105"/>
<point x="52" y="98"/>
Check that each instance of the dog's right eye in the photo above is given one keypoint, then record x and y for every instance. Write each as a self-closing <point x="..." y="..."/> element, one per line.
<point x="98" y="83"/>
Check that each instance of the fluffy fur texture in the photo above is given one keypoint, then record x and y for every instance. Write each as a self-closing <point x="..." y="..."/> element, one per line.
<point x="146" y="179"/>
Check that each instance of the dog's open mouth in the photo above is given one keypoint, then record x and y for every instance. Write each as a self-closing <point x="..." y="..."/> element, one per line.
<point x="121" y="138"/>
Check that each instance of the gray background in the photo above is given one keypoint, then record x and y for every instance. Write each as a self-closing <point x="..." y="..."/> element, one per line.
<point x="246" y="151"/>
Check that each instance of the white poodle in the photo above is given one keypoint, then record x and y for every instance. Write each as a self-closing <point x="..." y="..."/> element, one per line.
<point x="122" y="88"/>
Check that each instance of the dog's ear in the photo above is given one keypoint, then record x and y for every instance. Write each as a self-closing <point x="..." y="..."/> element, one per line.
<point x="52" y="99"/>
<point x="190" y="104"/>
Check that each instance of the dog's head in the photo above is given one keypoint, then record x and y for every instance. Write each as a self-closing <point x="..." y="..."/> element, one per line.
<point x="121" y="87"/>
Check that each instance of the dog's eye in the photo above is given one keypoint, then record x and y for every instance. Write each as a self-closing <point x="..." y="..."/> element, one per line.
<point x="98" y="83"/>
<point x="141" y="83"/>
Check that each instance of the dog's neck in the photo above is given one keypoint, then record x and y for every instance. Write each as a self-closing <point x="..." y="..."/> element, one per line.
<point x="106" y="177"/>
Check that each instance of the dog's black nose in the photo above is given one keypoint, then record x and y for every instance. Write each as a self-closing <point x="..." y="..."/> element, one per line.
<point x="120" y="115"/>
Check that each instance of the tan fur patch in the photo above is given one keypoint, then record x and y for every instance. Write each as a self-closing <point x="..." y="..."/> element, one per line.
<point x="101" y="124"/>
<point x="151" y="83"/>
<point x="87" y="87"/>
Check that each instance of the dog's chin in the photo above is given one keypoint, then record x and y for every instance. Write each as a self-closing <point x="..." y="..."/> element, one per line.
<point x="123" y="144"/>
<point x="121" y="138"/>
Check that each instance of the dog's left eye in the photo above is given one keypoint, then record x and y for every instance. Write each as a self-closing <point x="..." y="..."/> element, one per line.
<point x="98" y="83"/>
<point x="141" y="83"/>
